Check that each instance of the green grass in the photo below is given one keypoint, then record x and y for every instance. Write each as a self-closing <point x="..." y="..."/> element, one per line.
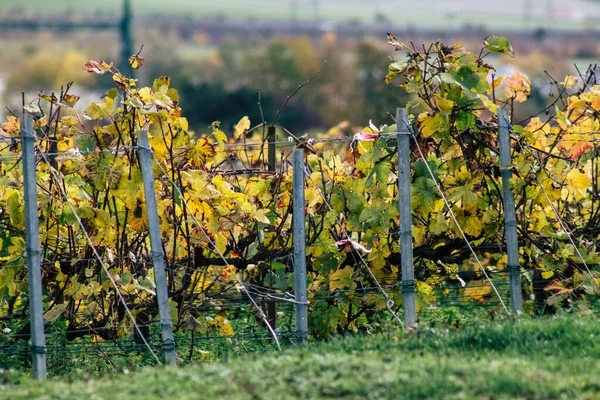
<point x="432" y="13"/>
<point x="537" y="359"/>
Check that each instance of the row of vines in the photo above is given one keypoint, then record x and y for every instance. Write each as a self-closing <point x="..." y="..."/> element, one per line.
<point x="246" y="210"/>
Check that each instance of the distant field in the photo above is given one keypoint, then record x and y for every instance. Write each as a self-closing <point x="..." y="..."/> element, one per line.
<point x="567" y="14"/>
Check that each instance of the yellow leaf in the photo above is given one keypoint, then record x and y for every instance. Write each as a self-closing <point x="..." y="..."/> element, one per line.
<point x="100" y="111"/>
<point x="124" y="82"/>
<point x="69" y="100"/>
<point x="226" y="329"/>
<point x="221" y="138"/>
<point x="496" y="83"/>
<point x="200" y="152"/>
<point x="377" y="259"/>
<point x="342" y="279"/>
<point x="241" y="127"/>
<point x="594" y="97"/>
<point x="261" y="216"/>
<point x="432" y="124"/>
<point x="477" y="290"/>
<point x="11" y="126"/>
<point x="146" y="94"/>
<point x="489" y="104"/>
<point x="517" y="87"/>
<point x="575" y="145"/>
<point x="425" y="290"/>
<point x="579" y="183"/>
<point x="136" y="61"/>
<point x="65" y="144"/>
<point x="183" y="124"/>
<point x="547" y="274"/>
<point x="570" y="81"/>
<point x="221" y="242"/>
<point x="445" y="105"/>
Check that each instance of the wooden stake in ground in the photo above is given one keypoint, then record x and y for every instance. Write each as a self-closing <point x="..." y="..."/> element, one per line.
<point x="510" y="218"/>
<point x="404" y="205"/>
<point x="298" y="219"/>
<point x="32" y="239"/>
<point x="160" y="278"/>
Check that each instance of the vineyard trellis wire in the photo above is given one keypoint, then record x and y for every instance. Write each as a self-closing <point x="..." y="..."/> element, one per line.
<point x="333" y="217"/>
<point x="250" y="290"/>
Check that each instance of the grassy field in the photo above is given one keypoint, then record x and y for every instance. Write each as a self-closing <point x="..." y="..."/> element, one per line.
<point x="509" y="13"/>
<point x="533" y="359"/>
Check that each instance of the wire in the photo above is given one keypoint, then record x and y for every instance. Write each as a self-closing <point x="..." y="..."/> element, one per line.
<point x="88" y="152"/>
<point x="259" y="144"/>
<point x="12" y="138"/>
<point x="10" y="157"/>
<point x="464" y="236"/>
<point x="212" y="243"/>
<point x="96" y="254"/>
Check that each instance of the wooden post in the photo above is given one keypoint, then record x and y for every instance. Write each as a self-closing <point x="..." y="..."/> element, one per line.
<point x="272" y="149"/>
<point x="406" y="244"/>
<point x="32" y="239"/>
<point x="272" y="164"/>
<point x="298" y="221"/>
<point x="510" y="219"/>
<point x="160" y="278"/>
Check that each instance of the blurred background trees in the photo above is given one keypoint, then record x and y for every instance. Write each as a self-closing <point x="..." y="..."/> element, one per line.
<point x="220" y="56"/>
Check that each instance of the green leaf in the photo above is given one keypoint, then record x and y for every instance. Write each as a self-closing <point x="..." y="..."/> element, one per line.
<point x="465" y="120"/>
<point x="421" y="169"/>
<point x="466" y="196"/>
<point x="86" y="144"/>
<point x="338" y="201"/>
<point x="438" y="224"/>
<point x="473" y="226"/>
<point x="498" y="44"/>
<point x="160" y="82"/>
<point x="395" y="70"/>
<point x="370" y="216"/>
<point x="112" y="93"/>
<point x="15" y="209"/>
<point x="356" y="202"/>
<point x="277" y="266"/>
<point x="470" y="79"/>
<point x="342" y="279"/>
<point x="424" y="194"/>
<point x="100" y="111"/>
<point x="381" y="171"/>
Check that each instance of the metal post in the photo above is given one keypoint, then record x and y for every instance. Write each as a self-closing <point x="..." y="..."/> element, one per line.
<point x="160" y="278"/>
<point x="510" y="219"/>
<point x="406" y="244"/>
<point x="272" y="164"/>
<point x="298" y="221"/>
<point x="126" y="39"/>
<point x="32" y="239"/>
